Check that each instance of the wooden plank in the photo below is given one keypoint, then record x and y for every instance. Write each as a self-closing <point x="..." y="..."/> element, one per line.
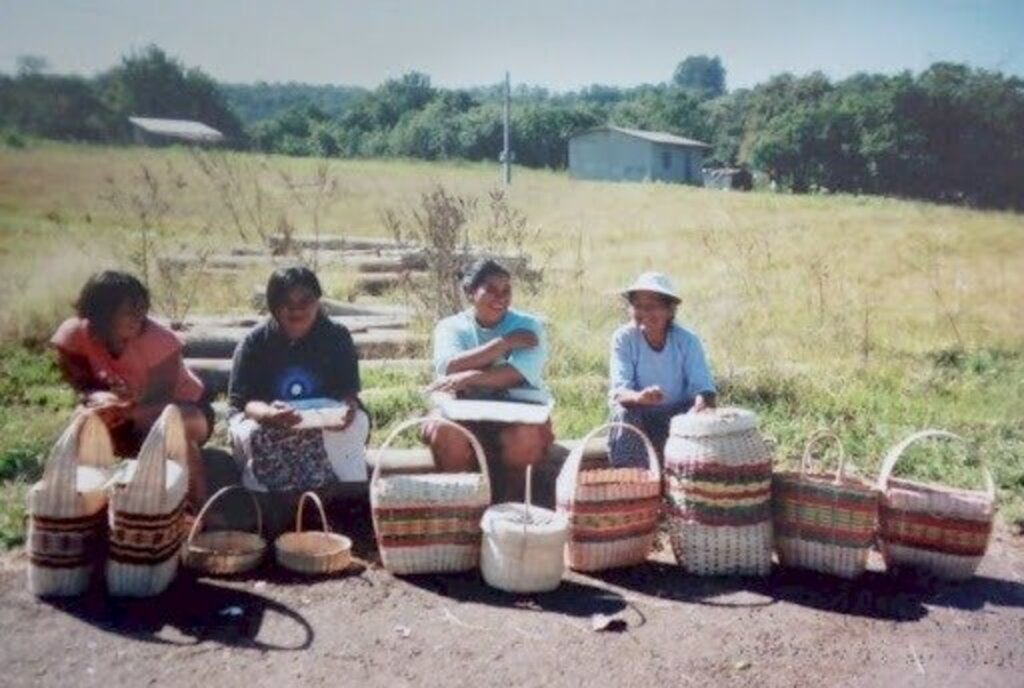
<point x="215" y="372"/>
<point x="220" y="342"/>
<point x="354" y="323"/>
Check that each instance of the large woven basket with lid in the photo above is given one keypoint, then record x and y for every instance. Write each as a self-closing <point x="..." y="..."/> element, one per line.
<point x="718" y="487"/>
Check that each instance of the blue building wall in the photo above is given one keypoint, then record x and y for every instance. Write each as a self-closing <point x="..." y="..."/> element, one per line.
<point x="609" y="155"/>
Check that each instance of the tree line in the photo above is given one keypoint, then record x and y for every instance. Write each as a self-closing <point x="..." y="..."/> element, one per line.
<point x="950" y="133"/>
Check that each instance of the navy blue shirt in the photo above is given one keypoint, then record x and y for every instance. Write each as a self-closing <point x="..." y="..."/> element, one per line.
<point x="267" y="367"/>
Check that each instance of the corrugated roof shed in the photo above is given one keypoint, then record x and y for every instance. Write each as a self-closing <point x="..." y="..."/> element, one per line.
<point x="183" y="129"/>
<point x="657" y="137"/>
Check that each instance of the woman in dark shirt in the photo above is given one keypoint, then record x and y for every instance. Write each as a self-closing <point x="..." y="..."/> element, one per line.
<point x="297" y="359"/>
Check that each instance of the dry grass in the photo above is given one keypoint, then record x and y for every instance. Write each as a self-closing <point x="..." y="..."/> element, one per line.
<point x="871" y="315"/>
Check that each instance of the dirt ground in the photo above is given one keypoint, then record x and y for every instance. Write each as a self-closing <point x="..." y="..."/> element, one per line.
<point x="368" y="628"/>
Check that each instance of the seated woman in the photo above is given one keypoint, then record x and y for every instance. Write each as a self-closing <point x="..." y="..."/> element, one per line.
<point x="490" y="350"/>
<point x="298" y="359"/>
<point x="127" y="368"/>
<point x="657" y="370"/>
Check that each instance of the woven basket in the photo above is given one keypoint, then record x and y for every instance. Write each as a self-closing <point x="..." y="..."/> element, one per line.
<point x="67" y="516"/>
<point x="312" y="552"/>
<point x="824" y="522"/>
<point x="429" y="522"/>
<point x="613" y="512"/>
<point x="523" y="546"/>
<point x="719" y="472"/>
<point x="147" y="524"/>
<point x="935" y="529"/>
<point x="225" y="552"/>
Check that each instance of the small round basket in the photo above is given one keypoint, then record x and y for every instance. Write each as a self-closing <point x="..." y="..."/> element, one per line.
<point x="313" y="552"/>
<point x="225" y="552"/>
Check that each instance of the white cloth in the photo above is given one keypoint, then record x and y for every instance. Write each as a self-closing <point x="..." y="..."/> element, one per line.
<point x="346" y="450"/>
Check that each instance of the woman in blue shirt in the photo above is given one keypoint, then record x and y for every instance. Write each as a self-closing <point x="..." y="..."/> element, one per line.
<point x="657" y="370"/>
<point x="491" y="350"/>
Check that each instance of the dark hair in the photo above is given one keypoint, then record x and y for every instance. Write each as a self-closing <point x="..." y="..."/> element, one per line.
<point x="283" y="280"/>
<point x="103" y="294"/>
<point x="480" y="271"/>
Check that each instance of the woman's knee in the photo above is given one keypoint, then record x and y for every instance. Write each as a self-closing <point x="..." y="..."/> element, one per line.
<point x="452" y="450"/>
<point x="197" y="425"/>
<point x="524" y="445"/>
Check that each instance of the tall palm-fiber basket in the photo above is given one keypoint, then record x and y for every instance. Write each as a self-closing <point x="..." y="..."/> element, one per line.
<point x="719" y="473"/>
<point x="67" y="510"/>
<point x="939" y="530"/>
<point x="429" y="522"/>
<point x="613" y="512"/>
<point x="824" y="522"/>
<point x="147" y="525"/>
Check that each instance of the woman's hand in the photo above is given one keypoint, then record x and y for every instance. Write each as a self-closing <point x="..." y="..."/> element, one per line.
<point x="650" y="396"/>
<point x="350" y="414"/>
<point x="278" y="414"/>
<point x="703" y="402"/>
<point x="112" y="409"/>
<point x="519" y="339"/>
<point x="456" y="382"/>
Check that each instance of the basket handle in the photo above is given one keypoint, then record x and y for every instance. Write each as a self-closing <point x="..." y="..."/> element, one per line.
<point x="165" y="438"/>
<point x="577" y="454"/>
<point x="896" y="452"/>
<point x="478" y="450"/>
<point x="94" y="445"/>
<point x="59" y="474"/>
<point x="197" y="524"/>
<point x="816" y="439"/>
<point x="319" y="507"/>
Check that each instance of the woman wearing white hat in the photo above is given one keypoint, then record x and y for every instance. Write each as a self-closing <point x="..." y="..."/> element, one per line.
<point x="657" y="369"/>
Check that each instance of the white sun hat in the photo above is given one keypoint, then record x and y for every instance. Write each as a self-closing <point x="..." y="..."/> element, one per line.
<point x="657" y="282"/>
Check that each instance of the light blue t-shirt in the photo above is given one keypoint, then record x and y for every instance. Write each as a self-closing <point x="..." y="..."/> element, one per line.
<point x="679" y="369"/>
<point x="461" y="332"/>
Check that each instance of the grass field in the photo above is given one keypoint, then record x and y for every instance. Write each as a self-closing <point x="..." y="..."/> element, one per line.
<point x="872" y="316"/>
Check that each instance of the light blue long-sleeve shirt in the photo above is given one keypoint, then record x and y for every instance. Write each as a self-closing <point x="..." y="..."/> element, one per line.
<point x="680" y="369"/>
<point x="461" y="332"/>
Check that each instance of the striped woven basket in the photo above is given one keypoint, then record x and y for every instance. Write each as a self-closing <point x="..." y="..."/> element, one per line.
<point x="429" y="522"/>
<point x="824" y="522"/>
<point x="147" y="525"/>
<point x="67" y="510"/>
<point x="719" y="473"/>
<point x="939" y="530"/>
<point x="613" y="512"/>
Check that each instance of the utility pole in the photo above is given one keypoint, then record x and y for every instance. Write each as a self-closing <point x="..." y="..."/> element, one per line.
<point x="506" y="154"/>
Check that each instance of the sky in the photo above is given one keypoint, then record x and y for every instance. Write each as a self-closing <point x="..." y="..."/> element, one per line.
<point x="558" y="44"/>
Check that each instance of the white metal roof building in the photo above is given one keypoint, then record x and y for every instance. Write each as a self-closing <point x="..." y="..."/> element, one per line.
<point x="618" y="154"/>
<point x="150" y="130"/>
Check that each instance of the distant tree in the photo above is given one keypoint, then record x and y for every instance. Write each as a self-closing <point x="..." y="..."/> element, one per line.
<point x="150" y="83"/>
<point x="701" y="75"/>
<point x="32" y="64"/>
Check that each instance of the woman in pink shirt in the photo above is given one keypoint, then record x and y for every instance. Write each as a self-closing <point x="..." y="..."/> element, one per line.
<point x="127" y="368"/>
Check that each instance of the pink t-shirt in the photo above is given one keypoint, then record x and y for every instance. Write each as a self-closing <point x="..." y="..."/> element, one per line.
<point x="154" y="347"/>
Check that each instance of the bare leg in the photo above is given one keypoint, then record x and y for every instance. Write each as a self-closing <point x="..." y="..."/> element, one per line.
<point x="452" y="451"/>
<point x="522" y="446"/>
<point x="197" y="431"/>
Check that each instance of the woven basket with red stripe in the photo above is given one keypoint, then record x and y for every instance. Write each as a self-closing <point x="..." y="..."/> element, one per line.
<point x="932" y="528"/>
<point x="429" y="522"/>
<point x="718" y="471"/>
<point x="824" y="522"/>
<point x="613" y="512"/>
